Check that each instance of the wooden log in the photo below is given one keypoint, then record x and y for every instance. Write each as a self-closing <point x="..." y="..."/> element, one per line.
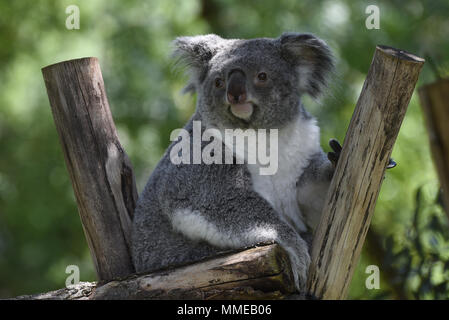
<point x="435" y="104"/>
<point x="257" y="273"/>
<point x="99" y="168"/>
<point x="360" y="170"/>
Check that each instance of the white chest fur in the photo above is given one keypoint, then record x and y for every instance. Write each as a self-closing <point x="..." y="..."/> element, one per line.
<point x="296" y="144"/>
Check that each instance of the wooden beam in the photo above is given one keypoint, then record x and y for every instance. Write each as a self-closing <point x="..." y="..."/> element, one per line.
<point x="99" y="168"/>
<point x="261" y="272"/>
<point x="435" y="104"/>
<point x="360" y="170"/>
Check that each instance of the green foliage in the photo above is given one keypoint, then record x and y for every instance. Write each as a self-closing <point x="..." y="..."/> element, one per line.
<point x="40" y="231"/>
<point x="422" y="260"/>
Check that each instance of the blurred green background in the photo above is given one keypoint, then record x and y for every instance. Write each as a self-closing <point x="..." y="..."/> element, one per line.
<point x="40" y="230"/>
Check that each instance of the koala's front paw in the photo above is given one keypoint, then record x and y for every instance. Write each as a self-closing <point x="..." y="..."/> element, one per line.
<point x="299" y="260"/>
<point x="335" y="155"/>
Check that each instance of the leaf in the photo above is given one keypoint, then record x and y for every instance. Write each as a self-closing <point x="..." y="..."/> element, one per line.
<point x="446" y="266"/>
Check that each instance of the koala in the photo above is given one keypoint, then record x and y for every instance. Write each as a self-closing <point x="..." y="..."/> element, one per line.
<point x="189" y="212"/>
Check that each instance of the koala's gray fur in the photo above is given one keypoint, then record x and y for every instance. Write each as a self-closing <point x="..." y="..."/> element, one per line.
<point x="188" y="212"/>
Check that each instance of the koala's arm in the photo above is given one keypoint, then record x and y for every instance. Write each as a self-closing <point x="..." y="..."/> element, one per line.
<point x="312" y="187"/>
<point x="224" y="211"/>
<point x="314" y="183"/>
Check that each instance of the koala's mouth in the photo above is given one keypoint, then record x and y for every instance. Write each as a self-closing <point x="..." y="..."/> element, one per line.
<point x="243" y="111"/>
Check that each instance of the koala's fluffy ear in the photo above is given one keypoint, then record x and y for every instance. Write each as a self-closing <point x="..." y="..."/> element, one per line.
<point x="196" y="52"/>
<point x="311" y="57"/>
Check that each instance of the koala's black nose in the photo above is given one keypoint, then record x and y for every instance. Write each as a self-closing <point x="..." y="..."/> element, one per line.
<point x="236" y="90"/>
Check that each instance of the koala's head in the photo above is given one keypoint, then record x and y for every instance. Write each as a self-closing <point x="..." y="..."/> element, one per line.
<point x="254" y="83"/>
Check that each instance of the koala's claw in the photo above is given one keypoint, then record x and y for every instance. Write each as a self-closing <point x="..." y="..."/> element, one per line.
<point x="391" y="164"/>
<point x="335" y="155"/>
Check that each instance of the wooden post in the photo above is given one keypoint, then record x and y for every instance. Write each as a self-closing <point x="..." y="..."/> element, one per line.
<point x="435" y="103"/>
<point x="360" y="170"/>
<point x="99" y="168"/>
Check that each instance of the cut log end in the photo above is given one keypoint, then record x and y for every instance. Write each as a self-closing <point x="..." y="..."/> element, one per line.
<point x="400" y="54"/>
<point x="84" y="60"/>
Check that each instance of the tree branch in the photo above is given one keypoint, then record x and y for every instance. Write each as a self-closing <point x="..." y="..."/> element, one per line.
<point x="257" y="273"/>
<point x="435" y="104"/>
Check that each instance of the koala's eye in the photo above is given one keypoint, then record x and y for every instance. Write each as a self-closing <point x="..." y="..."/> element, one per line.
<point x="219" y="83"/>
<point x="262" y="76"/>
